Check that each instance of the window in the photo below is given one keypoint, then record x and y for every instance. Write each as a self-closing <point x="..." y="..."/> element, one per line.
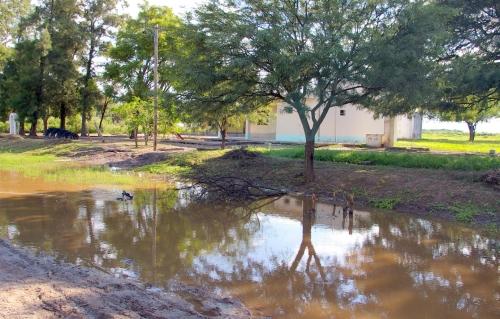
<point x="342" y="112"/>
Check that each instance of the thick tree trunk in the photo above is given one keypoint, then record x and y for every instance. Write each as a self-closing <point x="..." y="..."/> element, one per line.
<point x="62" y="116"/>
<point x="472" y="131"/>
<point x="34" y="124"/>
<point x="309" y="161"/>
<point x="45" y="124"/>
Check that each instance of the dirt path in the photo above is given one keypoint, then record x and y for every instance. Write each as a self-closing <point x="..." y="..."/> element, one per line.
<point x="40" y="287"/>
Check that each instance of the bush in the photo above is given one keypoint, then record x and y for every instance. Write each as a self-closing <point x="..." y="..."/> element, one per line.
<point x="4" y="127"/>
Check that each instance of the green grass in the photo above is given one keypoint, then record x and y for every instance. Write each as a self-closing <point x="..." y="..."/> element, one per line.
<point x="464" y="212"/>
<point x="385" y="203"/>
<point x="50" y="168"/>
<point x="398" y="159"/>
<point x="454" y="141"/>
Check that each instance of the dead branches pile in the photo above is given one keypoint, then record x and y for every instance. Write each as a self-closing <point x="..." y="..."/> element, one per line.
<point x="230" y="187"/>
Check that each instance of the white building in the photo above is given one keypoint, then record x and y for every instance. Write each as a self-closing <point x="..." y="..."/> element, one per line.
<point x="348" y="124"/>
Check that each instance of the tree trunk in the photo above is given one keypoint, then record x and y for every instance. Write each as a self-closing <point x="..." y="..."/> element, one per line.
<point x="45" y="124"/>
<point x="34" y="123"/>
<point x="472" y="131"/>
<point x="135" y="138"/>
<point x="39" y="97"/>
<point x="86" y="83"/>
<point x="223" y="137"/>
<point x="309" y="161"/>
<point x="103" y="112"/>
<point x="62" y="116"/>
<point x="22" y="130"/>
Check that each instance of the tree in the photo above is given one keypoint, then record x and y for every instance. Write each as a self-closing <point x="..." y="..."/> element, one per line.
<point x="21" y="78"/>
<point x="137" y="114"/>
<point x="53" y="24"/>
<point x="131" y="57"/>
<point x="469" y="86"/>
<point x="372" y="53"/>
<point x="213" y="87"/>
<point x="472" y="110"/>
<point x="99" y="17"/>
<point x="62" y="79"/>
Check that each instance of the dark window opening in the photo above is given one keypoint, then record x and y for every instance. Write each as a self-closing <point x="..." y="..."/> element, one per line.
<point x="342" y="112"/>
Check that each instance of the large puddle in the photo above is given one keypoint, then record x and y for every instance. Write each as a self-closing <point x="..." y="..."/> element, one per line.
<point x="280" y="259"/>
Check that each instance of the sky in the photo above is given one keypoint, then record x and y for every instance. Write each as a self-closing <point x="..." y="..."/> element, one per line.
<point x="178" y="6"/>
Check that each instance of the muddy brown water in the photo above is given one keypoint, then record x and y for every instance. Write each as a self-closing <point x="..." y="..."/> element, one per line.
<point x="282" y="258"/>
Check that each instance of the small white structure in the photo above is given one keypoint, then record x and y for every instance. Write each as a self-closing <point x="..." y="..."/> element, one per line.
<point x="347" y="124"/>
<point x="13" y="124"/>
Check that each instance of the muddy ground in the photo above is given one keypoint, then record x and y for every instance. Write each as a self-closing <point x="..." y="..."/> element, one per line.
<point x="41" y="287"/>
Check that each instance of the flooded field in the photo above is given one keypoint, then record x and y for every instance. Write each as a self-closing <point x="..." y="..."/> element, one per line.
<point x="285" y="258"/>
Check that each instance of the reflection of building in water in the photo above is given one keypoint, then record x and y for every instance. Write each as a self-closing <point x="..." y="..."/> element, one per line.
<point x="291" y="207"/>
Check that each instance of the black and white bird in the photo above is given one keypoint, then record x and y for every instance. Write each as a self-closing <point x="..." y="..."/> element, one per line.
<point x="125" y="196"/>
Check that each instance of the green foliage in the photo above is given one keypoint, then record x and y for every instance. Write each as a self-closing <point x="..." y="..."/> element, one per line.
<point x="137" y="114"/>
<point x="131" y="57"/>
<point x="11" y="12"/>
<point x="464" y="212"/>
<point x="399" y="159"/>
<point x="385" y="203"/>
<point x="470" y="78"/>
<point x="214" y="87"/>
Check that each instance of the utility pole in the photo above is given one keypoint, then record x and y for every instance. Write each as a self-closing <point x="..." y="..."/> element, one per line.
<point x="155" y="127"/>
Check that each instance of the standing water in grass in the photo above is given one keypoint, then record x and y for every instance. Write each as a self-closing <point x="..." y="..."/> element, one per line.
<point x="284" y="258"/>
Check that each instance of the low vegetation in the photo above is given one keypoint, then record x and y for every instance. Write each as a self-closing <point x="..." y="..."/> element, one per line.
<point x="53" y="168"/>
<point x="397" y="159"/>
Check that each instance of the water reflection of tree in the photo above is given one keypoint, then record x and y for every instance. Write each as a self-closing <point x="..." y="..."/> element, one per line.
<point x="163" y="240"/>
<point x="308" y="216"/>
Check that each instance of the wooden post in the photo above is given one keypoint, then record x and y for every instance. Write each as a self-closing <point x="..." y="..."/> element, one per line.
<point x="155" y="126"/>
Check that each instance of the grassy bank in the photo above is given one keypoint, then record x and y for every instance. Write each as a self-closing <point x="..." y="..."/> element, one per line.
<point x="397" y="159"/>
<point x="454" y="141"/>
<point x="51" y="168"/>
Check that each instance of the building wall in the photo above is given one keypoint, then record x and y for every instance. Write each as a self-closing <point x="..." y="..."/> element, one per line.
<point x="348" y="124"/>
<point x="266" y="131"/>
<point x="351" y="127"/>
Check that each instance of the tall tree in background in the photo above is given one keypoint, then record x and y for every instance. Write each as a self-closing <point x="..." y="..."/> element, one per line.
<point x="131" y="58"/>
<point x="99" y="18"/>
<point x="56" y="20"/>
<point x="372" y="53"/>
<point x="22" y="77"/>
<point x="62" y="79"/>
